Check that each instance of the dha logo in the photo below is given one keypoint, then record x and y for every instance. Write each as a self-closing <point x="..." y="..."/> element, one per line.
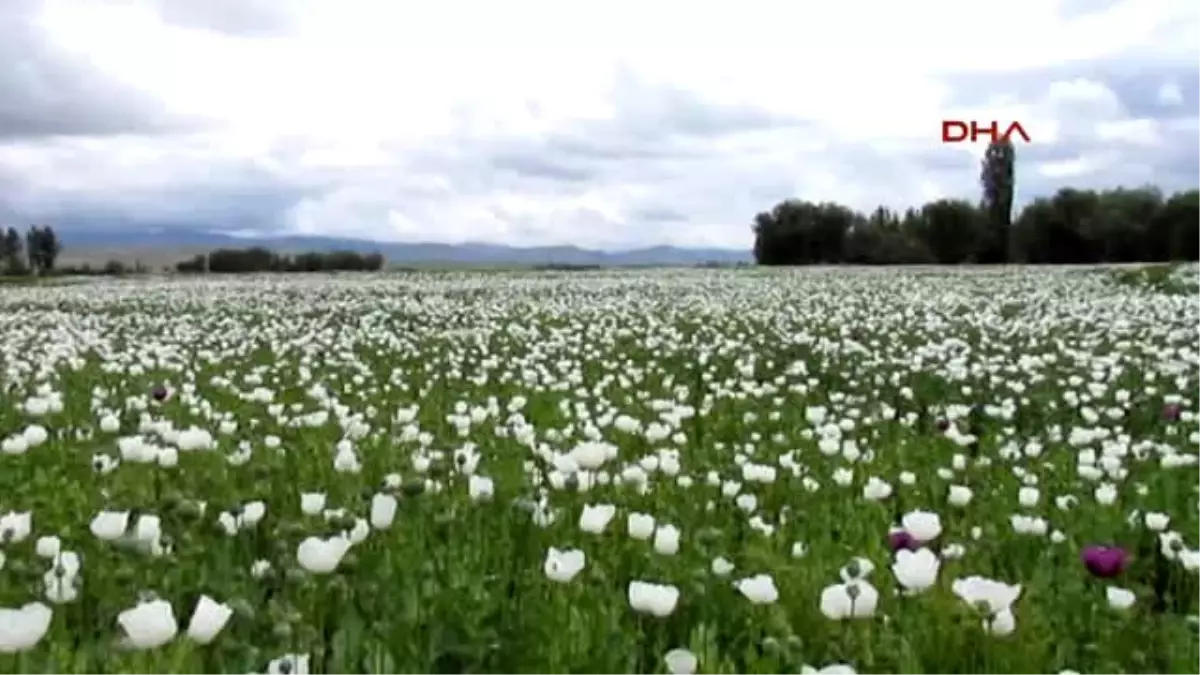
<point x="961" y="131"/>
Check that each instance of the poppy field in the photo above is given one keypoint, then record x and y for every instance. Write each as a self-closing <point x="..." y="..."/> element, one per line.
<point x="712" y="471"/>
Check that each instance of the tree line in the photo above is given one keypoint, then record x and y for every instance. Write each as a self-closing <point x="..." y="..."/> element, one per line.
<point x="37" y="252"/>
<point x="1072" y="226"/>
<point x="34" y="253"/>
<point x="258" y="259"/>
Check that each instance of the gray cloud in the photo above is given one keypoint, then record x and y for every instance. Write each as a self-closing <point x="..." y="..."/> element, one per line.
<point x="176" y="185"/>
<point x="653" y="214"/>
<point x="654" y="125"/>
<point x="524" y="162"/>
<point x="1087" y="101"/>
<point x="252" y="18"/>
<point x="1135" y="85"/>
<point x="1077" y="8"/>
<point x="45" y="91"/>
<point x="658" y="134"/>
<point x="650" y="111"/>
<point x="669" y="166"/>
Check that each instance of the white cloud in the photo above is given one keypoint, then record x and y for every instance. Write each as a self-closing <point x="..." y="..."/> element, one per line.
<point x="535" y="121"/>
<point x="1169" y="94"/>
<point x="1140" y="131"/>
<point x="1072" y="168"/>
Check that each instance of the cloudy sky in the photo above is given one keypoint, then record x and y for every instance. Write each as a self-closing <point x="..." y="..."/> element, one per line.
<point x="605" y="124"/>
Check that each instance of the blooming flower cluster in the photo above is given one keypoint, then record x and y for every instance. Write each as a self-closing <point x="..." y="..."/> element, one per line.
<point x="687" y="471"/>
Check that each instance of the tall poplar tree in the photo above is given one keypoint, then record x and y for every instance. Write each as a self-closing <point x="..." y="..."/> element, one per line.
<point x="997" y="177"/>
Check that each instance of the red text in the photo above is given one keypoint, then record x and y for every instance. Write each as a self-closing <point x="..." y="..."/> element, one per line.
<point x="959" y="131"/>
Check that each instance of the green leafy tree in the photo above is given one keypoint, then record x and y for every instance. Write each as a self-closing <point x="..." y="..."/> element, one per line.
<point x="1072" y="226"/>
<point x="997" y="177"/>
<point x="42" y="248"/>
<point x="33" y="242"/>
<point x="12" y="252"/>
<point x="51" y="248"/>
<point x="1173" y="233"/>
<point x="800" y="232"/>
<point x="952" y="230"/>
<point x="257" y="260"/>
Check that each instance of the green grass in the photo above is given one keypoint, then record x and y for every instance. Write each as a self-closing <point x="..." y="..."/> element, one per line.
<point x="1061" y="378"/>
<point x="21" y="281"/>
<point x="36" y="281"/>
<point x="1170" y="278"/>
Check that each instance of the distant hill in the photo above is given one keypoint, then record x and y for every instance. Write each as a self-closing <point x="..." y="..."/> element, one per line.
<point x="93" y="244"/>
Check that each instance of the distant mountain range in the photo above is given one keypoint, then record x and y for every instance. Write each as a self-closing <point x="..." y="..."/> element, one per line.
<point x="188" y="241"/>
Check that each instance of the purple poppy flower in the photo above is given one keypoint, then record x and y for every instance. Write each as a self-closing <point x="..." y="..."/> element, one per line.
<point x="160" y="393"/>
<point x="901" y="539"/>
<point x="1170" y="412"/>
<point x="1105" y="562"/>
